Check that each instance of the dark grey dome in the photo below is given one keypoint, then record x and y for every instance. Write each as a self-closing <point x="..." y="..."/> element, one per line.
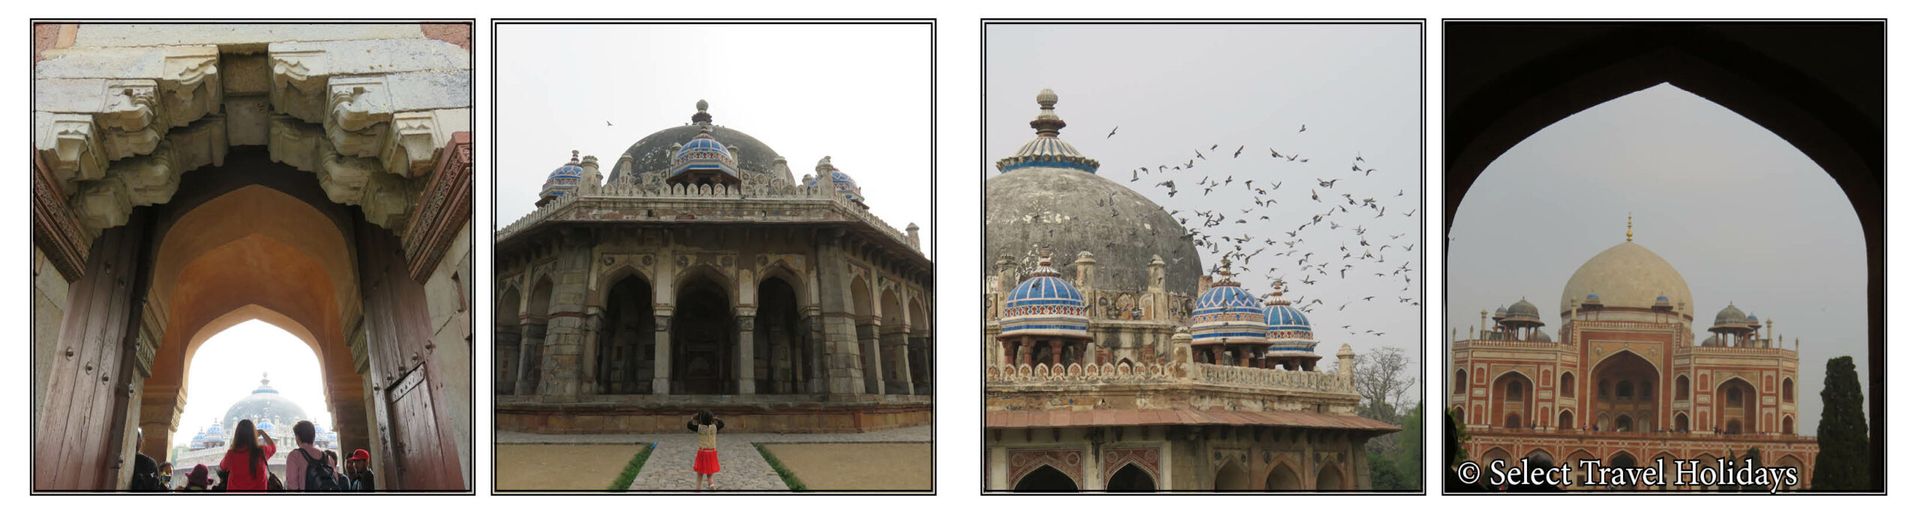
<point x="652" y="153"/>
<point x="1071" y="211"/>
<point x="265" y="405"/>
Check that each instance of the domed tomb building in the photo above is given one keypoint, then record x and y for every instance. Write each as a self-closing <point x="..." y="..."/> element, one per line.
<point x="1624" y="382"/>
<point x="699" y="274"/>
<point x="1127" y="368"/>
<point x="270" y="412"/>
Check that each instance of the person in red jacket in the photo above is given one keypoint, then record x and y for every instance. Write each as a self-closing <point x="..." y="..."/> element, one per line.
<point x="246" y="459"/>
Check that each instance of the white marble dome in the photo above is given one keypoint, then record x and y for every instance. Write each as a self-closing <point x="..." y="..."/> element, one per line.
<point x="1628" y="275"/>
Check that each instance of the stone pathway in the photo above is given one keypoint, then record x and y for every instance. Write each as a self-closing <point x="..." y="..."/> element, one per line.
<point x="670" y="468"/>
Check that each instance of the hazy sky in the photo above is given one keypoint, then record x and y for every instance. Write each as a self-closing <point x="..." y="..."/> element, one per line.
<point x="227" y="368"/>
<point x="1744" y="216"/>
<point x="1175" y="89"/>
<point x="860" y="93"/>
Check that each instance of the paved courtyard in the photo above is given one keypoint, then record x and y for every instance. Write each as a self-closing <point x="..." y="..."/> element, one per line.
<point x="670" y="468"/>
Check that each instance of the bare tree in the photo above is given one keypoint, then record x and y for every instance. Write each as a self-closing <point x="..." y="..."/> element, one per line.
<point x="1383" y="379"/>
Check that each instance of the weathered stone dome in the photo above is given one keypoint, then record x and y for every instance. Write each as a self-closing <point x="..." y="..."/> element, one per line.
<point x="654" y="153"/>
<point x="1628" y="273"/>
<point x="1072" y="210"/>
<point x="264" y="406"/>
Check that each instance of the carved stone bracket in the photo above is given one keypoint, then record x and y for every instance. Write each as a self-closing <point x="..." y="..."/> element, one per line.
<point x="56" y="232"/>
<point x="359" y="109"/>
<point x="414" y="146"/>
<point x="443" y="207"/>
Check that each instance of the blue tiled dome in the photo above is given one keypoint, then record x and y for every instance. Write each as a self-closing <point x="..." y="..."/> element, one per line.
<point x="1227" y="314"/>
<point x="1287" y="328"/>
<point x="842" y="182"/>
<point x="563" y="181"/>
<point x="1044" y="304"/>
<point x="703" y="155"/>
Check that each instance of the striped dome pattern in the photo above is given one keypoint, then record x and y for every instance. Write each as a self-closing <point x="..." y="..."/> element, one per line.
<point x="1227" y="314"/>
<point x="1048" y="152"/>
<point x="1287" y="327"/>
<point x="703" y="154"/>
<point x="1044" y="305"/>
<point x="564" y="180"/>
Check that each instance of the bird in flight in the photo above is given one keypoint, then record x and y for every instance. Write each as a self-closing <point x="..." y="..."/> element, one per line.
<point x="1303" y="128"/>
<point x="609" y="123"/>
<point x="1116" y="130"/>
<point x="1236" y="153"/>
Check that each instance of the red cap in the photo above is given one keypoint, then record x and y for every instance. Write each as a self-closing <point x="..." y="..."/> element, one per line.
<point x="360" y="455"/>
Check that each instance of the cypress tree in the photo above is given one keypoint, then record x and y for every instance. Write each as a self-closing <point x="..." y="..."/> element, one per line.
<point x="1844" y="456"/>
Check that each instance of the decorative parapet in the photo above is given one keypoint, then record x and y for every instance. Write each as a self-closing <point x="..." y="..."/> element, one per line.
<point x="1198" y="374"/>
<point x="1074" y="373"/>
<point x="713" y="194"/>
<point x="1236" y="376"/>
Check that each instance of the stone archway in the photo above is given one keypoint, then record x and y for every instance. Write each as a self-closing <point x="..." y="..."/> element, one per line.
<point x="533" y="336"/>
<point x="625" y="350"/>
<point x="1232" y="477"/>
<point x="1623" y="386"/>
<point x="703" y="334"/>
<point x="920" y="347"/>
<point x="894" y="363"/>
<point x="1513" y="400"/>
<point x="295" y="174"/>
<point x="1736" y="407"/>
<point x="1046" y="479"/>
<point x="1330" y="478"/>
<point x="1130" y="478"/>
<point x="782" y="365"/>
<point x="1821" y="89"/>
<point x="1283" y="478"/>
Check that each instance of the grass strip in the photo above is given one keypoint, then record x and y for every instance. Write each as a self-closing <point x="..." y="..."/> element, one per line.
<point x="625" y="480"/>
<point x="786" y="475"/>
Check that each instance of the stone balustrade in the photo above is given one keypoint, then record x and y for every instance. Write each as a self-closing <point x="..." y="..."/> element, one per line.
<point x="1202" y="374"/>
<point x="710" y="193"/>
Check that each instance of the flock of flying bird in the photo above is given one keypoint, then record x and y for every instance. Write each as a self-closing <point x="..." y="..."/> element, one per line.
<point x="1248" y="214"/>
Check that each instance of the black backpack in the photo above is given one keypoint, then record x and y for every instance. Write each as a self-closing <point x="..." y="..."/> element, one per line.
<point x="320" y="475"/>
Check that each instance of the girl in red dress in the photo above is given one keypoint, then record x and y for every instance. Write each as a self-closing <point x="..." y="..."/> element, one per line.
<point x="246" y="459"/>
<point x="707" y="461"/>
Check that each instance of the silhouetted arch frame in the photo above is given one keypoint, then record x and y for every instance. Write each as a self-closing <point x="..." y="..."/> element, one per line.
<point x="1820" y="86"/>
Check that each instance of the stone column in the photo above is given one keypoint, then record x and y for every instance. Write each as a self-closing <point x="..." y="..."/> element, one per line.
<point x="532" y="335"/>
<point x="896" y="338"/>
<point x="1053" y="350"/>
<point x="869" y="332"/>
<point x="743" y="320"/>
<point x="506" y="344"/>
<point x="662" y="351"/>
<point x="920" y="347"/>
<point x="589" y="365"/>
<point x="560" y="353"/>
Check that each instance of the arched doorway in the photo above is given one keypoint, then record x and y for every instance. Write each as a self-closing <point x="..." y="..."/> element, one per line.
<point x="626" y="348"/>
<point x="174" y="219"/>
<point x="1331" y="479"/>
<point x="1046" y="479"/>
<point x="506" y="340"/>
<point x="1282" y="478"/>
<point x="781" y="365"/>
<point x="1513" y="400"/>
<point x="703" y="337"/>
<point x="1232" y="477"/>
<point x="893" y="342"/>
<point x="1736" y="405"/>
<point x="1566" y="420"/>
<point x="1622" y="460"/>
<point x="1826" y="97"/>
<point x="1624" y="382"/>
<point x="1681" y="423"/>
<point x="1130" y="478"/>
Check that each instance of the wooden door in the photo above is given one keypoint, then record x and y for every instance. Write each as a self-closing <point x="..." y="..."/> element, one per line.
<point x="74" y="443"/>
<point x="420" y="453"/>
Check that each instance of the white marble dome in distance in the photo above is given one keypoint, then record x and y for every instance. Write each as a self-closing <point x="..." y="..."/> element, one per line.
<point x="1628" y="275"/>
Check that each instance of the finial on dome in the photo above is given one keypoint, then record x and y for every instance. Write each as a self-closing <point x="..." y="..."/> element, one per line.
<point x="1629" y="227"/>
<point x="575" y="159"/>
<point x="825" y="164"/>
<point x="1047" y="123"/>
<point x="263" y="378"/>
<point x="702" y="117"/>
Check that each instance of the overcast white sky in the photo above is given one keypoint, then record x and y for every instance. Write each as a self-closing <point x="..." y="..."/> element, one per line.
<point x="860" y="93"/>
<point x="1744" y="216"/>
<point x="1174" y="89"/>
<point x="227" y="368"/>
